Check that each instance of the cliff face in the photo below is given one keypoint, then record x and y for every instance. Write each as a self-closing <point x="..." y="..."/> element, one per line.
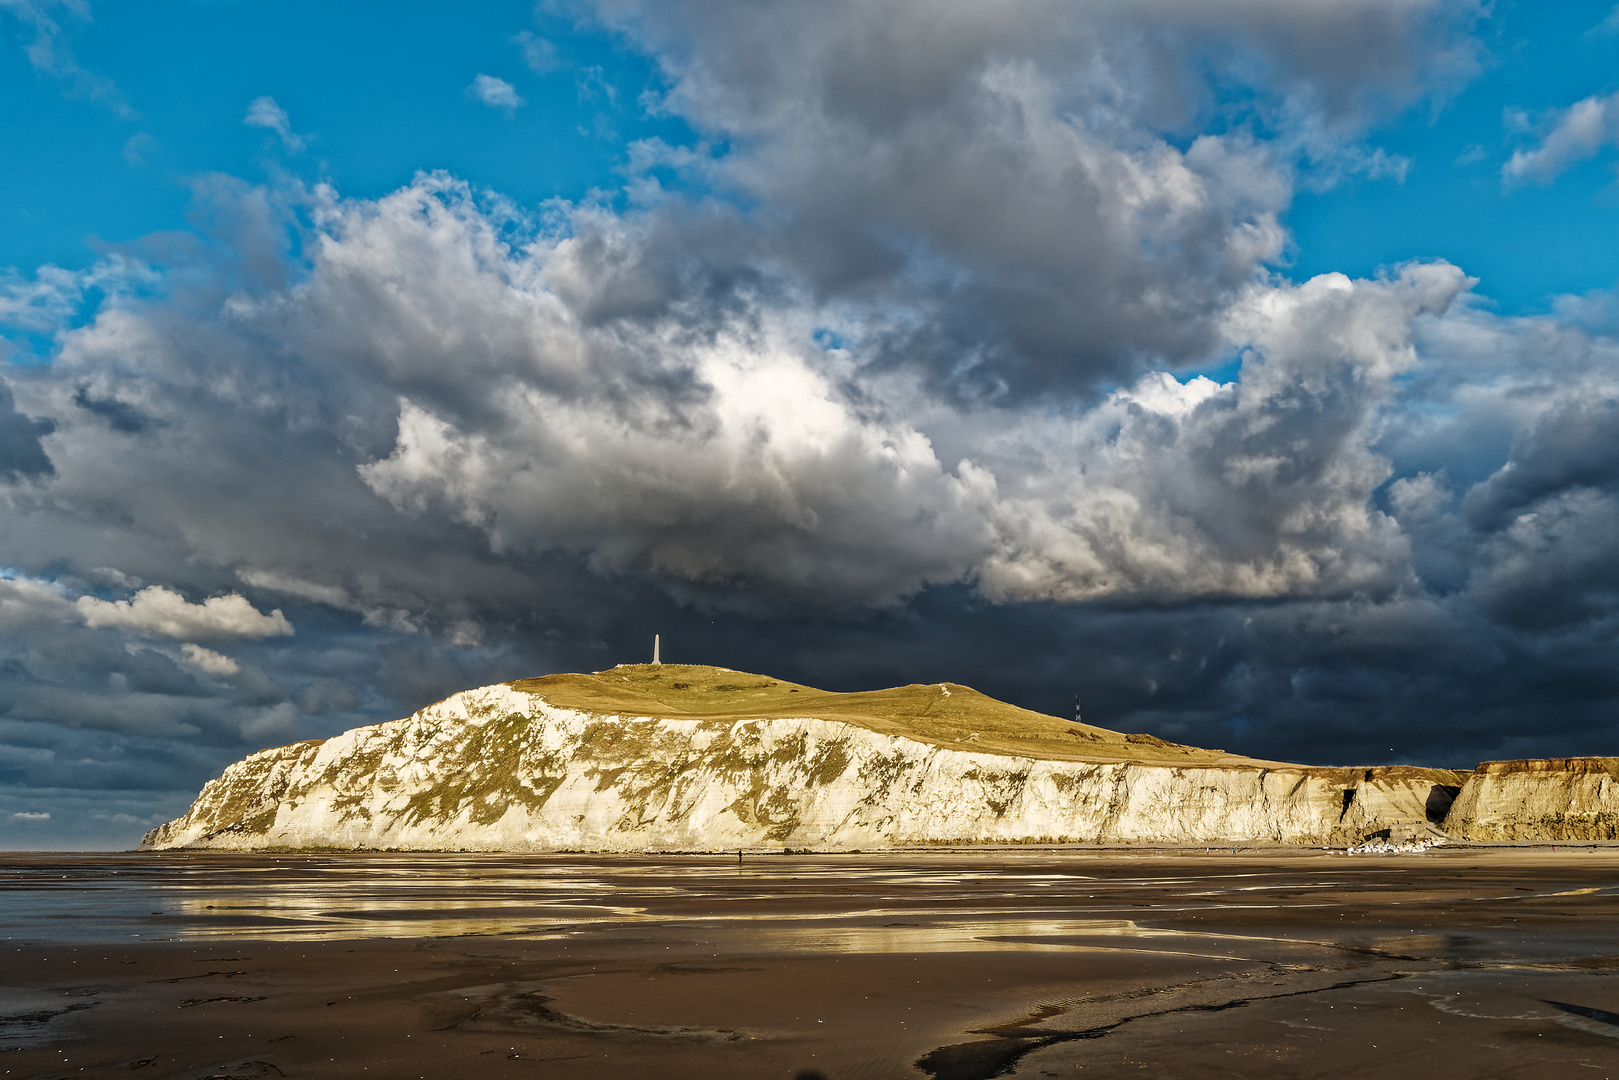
<point x="518" y="767"/>
<point x="1539" y="799"/>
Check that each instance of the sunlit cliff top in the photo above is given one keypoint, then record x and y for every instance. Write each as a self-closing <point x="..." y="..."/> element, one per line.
<point x="946" y="714"/>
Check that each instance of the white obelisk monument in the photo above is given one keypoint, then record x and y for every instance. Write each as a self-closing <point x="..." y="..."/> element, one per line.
<point x="655" y="659"/>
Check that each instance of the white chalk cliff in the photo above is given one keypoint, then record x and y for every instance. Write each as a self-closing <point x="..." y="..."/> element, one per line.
<point x="1538" y="799"/>
<point x="697" y="758"/>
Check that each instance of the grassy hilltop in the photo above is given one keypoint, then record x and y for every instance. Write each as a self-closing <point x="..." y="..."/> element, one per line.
<point x="945" y="714"/>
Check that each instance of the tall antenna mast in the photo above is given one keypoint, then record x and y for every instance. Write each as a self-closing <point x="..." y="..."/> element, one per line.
<point x="655" y="659"/>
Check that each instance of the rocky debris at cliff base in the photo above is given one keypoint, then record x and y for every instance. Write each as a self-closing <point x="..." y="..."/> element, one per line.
<point x="1385" y="847"/>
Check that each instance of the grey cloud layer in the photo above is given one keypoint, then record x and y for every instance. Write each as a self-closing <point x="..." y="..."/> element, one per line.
<point x="21" y="455"/>
<point x="740" y="458"/>
<point x="439" y="414"/>
<point x="1038" y="182"/>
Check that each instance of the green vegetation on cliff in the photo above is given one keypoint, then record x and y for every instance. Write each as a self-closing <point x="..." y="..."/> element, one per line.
<point x="945" y="714"/>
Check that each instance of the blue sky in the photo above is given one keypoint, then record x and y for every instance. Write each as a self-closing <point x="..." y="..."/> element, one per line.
<point x="1526" y="243"/>
<point x="1250" y="369"/>
<point x="109" y="156"/>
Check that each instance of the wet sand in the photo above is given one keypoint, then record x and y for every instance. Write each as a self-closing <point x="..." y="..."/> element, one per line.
<point x="1461" y="962"/>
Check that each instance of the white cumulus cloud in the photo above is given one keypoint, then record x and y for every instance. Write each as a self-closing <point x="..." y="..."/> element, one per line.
<point x="25" y="604"/>
<point x="1577" y="133"/>
<point x="206" y="660"/>
<point x="157" y="611"/>
<point x="496" y="93"/>
<point x="265" y="113"/>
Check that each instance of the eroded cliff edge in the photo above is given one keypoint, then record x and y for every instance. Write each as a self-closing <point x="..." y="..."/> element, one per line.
<point x="695" y="758"/>
<point x="1548" y="799"/>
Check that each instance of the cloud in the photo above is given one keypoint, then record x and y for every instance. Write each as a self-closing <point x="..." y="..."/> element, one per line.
<point x="125" y="819"/>
<point x="208" y="661"/>
<point x="27" y="604"/>
<point x="1575" y="134"/>
<point x="1419" y="498"/>
<point x="1547" y="516"/>
<point x="24" y="815"/>
<point x="50" y="54"/>
<point x="1573" y="443"/>
<point x="760" y="473"/>
<point x="330" y="595"/>
<point x="137" y="148"/>
<point x="1554" y="566"/>
<point x="263" y="112"/>
<point x="736" y="465"/>
<point x="158" y="611"/>
<point x="496" y="93"/>
<point x="42" y="304"/>
<point x="92" y="721"/>
<point x="538" y="53"/>
<point x="1035" y="197"/>
<point x="22" y="455"/>
<point x="593" y="85"/>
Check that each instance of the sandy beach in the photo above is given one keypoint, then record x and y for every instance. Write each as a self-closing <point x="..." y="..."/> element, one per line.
<point x="953" y="966"/>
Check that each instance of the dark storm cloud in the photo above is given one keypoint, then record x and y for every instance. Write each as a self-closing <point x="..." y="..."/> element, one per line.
<point x="21" y="454"/>
<point x="1574" y="444"/>
<point x="1035" y="194"/>
<point x="119" y="414"/>
<point x="880" y="391"/>
<point x="1530" y="540"/>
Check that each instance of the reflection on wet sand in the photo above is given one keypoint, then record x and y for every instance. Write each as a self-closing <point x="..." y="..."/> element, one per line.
<point x="951" y="966"/>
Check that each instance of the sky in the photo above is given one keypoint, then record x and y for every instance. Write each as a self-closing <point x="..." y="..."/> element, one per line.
<point x="1248" y="370"/>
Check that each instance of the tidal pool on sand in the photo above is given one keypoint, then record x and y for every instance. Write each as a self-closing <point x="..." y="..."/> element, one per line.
<point x="955" y="966"/>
